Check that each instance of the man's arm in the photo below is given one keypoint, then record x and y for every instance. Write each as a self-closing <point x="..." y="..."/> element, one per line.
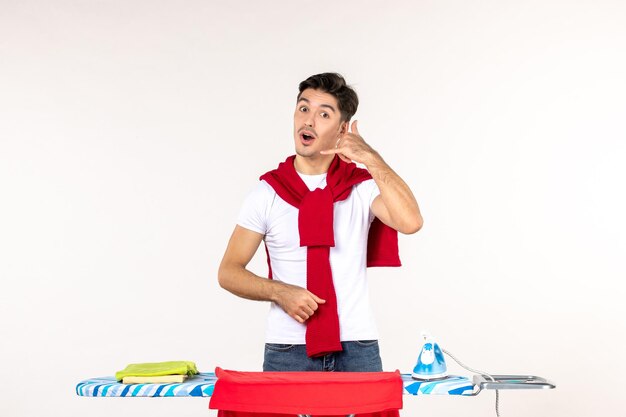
<point x="395" y="206"/>
<point x="233" y="276"/>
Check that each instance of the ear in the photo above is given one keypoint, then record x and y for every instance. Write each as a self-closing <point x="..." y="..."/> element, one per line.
<point x="343" y="128"/>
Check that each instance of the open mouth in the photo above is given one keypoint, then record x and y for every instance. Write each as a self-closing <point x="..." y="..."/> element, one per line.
<point x="307" y="137"/>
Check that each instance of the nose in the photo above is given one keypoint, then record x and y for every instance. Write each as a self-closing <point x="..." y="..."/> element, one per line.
<point x="309" y="119"/>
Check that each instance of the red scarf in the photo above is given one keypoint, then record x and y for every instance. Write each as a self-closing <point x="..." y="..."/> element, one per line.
<point x="315" y="225"/>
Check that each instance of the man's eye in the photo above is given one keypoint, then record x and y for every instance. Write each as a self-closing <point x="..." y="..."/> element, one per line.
<point x="325" y="115"/>
<point x="303" y="108"/>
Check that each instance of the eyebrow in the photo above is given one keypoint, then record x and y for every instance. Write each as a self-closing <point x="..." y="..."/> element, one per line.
<point x="321" y="105"/>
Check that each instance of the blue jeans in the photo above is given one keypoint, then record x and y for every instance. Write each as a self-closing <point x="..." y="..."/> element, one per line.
<point x="356" y="356"/>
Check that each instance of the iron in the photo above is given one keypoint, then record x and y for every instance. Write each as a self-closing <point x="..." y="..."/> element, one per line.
<point x="431" y="364"/>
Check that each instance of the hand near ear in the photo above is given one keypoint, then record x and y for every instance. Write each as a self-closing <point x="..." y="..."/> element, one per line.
<point x="351" y="147"/>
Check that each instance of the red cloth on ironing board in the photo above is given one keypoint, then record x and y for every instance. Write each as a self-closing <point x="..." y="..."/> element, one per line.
<point x="228" y="413"/>
<point x="261" y="394"/>
<point x="315" y="225"/>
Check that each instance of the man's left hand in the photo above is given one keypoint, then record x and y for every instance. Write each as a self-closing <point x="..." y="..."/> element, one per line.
<point x="351" y="147"/>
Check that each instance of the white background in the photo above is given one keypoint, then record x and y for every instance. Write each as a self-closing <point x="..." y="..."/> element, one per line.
<point x="130" y="132"/>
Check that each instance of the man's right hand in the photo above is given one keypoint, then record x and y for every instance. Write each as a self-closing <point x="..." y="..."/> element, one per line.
<point x="298" y="302"/>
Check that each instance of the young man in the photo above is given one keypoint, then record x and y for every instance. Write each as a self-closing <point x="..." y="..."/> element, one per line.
<point x="314" y="213"/>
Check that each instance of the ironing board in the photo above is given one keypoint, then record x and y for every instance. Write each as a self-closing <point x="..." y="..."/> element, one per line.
<point x="203" y="384"/>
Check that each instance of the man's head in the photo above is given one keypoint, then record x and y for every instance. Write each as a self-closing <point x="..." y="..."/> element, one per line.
<point x="324" y="108"/>
<point x="335" y="85"/>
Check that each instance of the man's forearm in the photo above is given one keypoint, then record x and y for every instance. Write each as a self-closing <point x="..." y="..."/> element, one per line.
<point x="297" y="302"/>
<point x="245" y="284"/>
<point x="396" y="195"/>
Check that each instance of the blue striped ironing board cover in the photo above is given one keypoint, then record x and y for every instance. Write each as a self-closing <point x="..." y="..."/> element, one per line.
<point x="202" y="385"/>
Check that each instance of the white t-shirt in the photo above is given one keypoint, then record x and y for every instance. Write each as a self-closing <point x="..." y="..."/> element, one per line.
<point x="265" y="212"/>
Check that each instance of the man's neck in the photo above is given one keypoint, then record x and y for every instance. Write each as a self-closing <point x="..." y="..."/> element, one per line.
<point x="309" y="166"/>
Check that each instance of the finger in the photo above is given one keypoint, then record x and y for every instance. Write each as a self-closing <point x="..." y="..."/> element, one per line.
<point x="309" y="310"/>
<point x="334" y="150"/>
<point x="311" y="305"/>
<point x="345" y="158"/>
<point x="337" y="151"/>
<point x="354" y="128"/>
<point x="300" y="316"/>
<point x="317" y="299"/>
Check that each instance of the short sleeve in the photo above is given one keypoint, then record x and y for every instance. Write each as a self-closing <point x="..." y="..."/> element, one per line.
<point x="368" y="191"/>
<point x="253" y="212"/>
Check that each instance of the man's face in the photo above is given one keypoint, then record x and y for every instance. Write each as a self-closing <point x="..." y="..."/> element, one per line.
<point x="317" y="123"/>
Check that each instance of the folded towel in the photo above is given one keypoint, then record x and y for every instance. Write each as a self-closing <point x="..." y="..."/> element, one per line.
<point x="154" y="379"/>
<point x="158" y="369"/>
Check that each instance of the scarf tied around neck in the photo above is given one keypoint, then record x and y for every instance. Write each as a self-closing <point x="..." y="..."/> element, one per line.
<point x="315" y="227"/>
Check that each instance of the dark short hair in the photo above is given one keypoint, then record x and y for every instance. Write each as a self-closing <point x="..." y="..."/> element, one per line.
<point x="335" y="85"/>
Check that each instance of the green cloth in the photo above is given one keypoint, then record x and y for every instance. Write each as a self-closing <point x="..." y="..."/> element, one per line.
<point x="158" y="369"/>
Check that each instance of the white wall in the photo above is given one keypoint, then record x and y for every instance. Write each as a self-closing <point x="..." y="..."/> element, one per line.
<point x="130" y="131"/>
